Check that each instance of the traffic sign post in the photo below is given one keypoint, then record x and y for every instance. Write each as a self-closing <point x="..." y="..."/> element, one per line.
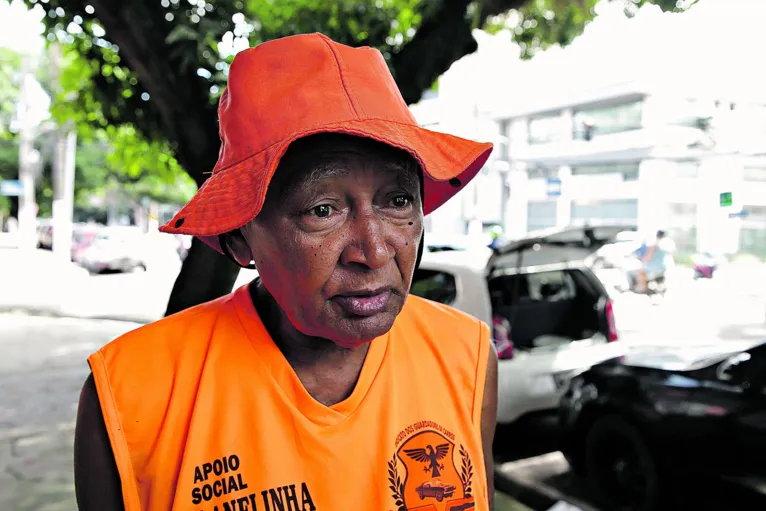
<point x="726" y="199"/>
<point x="553" y="187"/>
<point x="11" y="188"/>
<point x="739" y="214"/>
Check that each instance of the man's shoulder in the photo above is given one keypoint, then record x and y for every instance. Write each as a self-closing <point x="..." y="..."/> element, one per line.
<point x="439" y="311"/>
<point x="439" y="316"/>
<point x="432" y="338"/>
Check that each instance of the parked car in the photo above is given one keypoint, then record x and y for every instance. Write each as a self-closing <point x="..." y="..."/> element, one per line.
<point x="83" y="236"/>
<point x="634" y="426"/>
<point x="114" y="249"/>
<point x="562" y="320"/>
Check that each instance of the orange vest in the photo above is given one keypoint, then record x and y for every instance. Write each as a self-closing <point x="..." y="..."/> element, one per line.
<point x="204" y="413"/>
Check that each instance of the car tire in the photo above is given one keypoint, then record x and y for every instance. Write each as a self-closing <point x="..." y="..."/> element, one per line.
<point x="613" y="438"/>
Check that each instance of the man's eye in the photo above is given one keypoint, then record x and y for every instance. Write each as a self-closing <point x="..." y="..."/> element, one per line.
<point x="321" y="211"/>
<point x="400" y="201"/>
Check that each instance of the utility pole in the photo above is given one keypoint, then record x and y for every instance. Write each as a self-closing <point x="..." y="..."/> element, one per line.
<point x="63" y="175"/>
<point x="29" y="160"/>
<point x="63" y="191"/>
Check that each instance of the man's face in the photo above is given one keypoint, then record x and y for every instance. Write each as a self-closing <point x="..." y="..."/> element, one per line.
<point x="337" y="239"/>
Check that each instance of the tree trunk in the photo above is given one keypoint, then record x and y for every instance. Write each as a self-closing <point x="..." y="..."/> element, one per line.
<point x="205" y="275"/>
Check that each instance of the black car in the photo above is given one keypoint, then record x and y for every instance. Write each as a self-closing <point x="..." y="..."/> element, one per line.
<point x="633" y="427"/>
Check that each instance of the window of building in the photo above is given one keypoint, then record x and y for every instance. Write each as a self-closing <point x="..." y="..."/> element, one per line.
<point x="617" y="210"/>
<point x="684" y="210"/>
<point x="544" y="129"/>
<point x="504" y="129"/>
<point x="754" y="173"/>
<point x="685" y="169"/>
<point x="753" y="241"/>
<point x="685" y="239"/>
<point x="629" y="170"/>
<point x="540" y="172"/>
<point x="592" y="122"/>
<point x="541" y="215"/>
<point x="678" y="111"/>
<point x="756" y="214"/>
<point x="434" y="285"/>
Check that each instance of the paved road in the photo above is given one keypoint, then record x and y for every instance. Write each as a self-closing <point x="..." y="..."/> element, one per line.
<point x="730" y="307"/>
<point x="41" y="370"/>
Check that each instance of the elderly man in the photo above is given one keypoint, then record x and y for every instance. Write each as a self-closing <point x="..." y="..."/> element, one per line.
<point x="322" y="385"/>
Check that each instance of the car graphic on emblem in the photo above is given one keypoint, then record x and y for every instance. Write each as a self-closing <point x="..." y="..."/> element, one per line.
<point x="436" y="489"/>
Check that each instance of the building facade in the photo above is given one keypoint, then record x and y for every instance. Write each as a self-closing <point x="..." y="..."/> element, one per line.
<point x="600" y="134"/>
<point x="644" y="157"/>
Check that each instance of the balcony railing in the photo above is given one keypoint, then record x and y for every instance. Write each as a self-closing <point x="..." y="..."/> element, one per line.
<point x="589" y="132"/>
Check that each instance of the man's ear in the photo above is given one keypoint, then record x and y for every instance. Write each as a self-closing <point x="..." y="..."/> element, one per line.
<point x="235" y="246"/>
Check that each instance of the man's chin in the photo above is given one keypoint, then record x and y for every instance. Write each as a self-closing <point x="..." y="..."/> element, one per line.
<point x="355" y="331"/>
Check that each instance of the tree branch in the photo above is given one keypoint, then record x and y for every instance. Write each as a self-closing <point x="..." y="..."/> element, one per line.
<point x="443" y="38"/>
<point x="180" y="96"/>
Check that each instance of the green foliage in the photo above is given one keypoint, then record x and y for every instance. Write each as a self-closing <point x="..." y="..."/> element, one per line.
<point x="113" y="151"/>
<point x="10" y="62"/>
<point x="9" y="158"/>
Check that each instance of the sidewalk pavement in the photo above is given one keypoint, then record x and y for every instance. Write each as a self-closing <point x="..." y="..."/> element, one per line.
<point x="36" y="282"/>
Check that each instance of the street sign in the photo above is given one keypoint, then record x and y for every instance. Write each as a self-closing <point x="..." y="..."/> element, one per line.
<point x="740" y="214"/>
<point x="553" y="187"/>
<point x="726" y="199"/>
<point x="11" y="187"/>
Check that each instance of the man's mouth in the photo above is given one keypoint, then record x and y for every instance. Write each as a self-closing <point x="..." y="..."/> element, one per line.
<point x="364" y="302"/>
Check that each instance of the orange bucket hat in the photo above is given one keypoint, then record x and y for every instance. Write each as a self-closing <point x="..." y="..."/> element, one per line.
<point x="288" y="88"/>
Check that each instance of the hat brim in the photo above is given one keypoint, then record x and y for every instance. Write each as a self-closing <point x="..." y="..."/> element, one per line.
<point x="233" y="196"/>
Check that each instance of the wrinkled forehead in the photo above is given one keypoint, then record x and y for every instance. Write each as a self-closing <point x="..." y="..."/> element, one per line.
<point x="316" y="159"/>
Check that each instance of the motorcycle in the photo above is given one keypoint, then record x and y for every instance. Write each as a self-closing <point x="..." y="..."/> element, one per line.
<point x="655" y="284"/>
<point x="655" y="281"/>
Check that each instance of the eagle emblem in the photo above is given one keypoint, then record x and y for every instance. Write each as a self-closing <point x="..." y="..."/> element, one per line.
<point x="430" y="457"/>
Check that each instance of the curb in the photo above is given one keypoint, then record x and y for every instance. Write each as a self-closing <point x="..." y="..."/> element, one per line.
<point x="527" y="495"/>
<point x="53" y="313"/>
<point x="525" y="483"/>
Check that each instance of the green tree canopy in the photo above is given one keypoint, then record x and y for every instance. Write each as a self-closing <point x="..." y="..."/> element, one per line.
<point x="158" y="66"/>
<point x="10" y="62"/>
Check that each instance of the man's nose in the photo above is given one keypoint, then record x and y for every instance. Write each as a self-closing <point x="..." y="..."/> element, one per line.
<point x="368" y="244"/>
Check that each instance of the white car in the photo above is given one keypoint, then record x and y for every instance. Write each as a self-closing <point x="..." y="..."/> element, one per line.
<point x="561" y="317"/>
<point x="439" y="242"/>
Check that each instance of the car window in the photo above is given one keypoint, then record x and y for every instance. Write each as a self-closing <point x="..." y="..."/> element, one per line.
<point x="434" y="285"/>
<point x="551" y="286"/>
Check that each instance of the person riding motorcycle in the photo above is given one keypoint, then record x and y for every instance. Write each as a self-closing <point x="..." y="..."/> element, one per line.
<point x="655" y="259"/>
